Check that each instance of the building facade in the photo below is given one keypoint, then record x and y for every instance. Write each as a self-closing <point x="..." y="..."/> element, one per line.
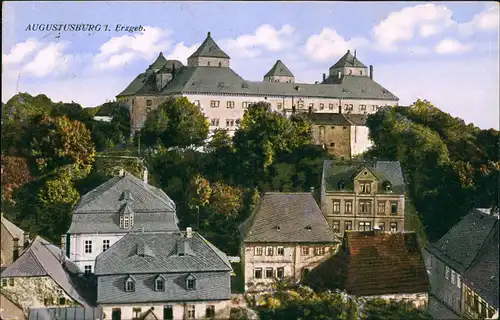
<point x="13" y="241"/>
<point x="163" y="275"/>
<point x="285" y="237"/>
<point x="222" y="95"/>
<point x="463" y="269"/>
<point x="110" y="211"/>
<point x="362" y="195"/>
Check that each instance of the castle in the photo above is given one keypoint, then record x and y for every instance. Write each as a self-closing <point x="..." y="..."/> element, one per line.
<point x="222" y="95"/>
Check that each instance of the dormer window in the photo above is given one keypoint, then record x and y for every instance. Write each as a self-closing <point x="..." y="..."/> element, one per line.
<point x="308" y="227"/>
<point x="387" y="186"/>
<point x="129" y="284"/>
<point x="126" y="221"/>
<point x="278" y="228"/>
<point x="160" y="283"/>
<point x="190" y="282"/>
<point x="341" y="185"/>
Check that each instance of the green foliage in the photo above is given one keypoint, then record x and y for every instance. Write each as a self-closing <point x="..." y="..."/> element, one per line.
<point x="107" y="135"/>
<point x="380" y="309"/>
<point x="23" y="107"/>
<point x="175" y="123"/>
<point x="15" y="173"/>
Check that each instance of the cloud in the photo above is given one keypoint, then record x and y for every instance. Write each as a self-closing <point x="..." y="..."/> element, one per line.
<point x="425" y="20"/>
<point x="487" y="20"/>
<point x="452" y="46"/>
<point x="20" y="51"/>
<point x="49" y="60"/>
<point x="121" y="50"/>
<point x="182" y="52"/>
<point x="265" y="37"/>
<point x="329" y="44"/>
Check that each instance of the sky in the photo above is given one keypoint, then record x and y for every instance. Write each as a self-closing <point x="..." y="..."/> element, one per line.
<point x="445" y="52"/>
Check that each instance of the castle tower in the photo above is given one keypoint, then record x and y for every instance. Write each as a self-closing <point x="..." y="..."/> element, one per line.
<point x="348" y="65"/>
<point x="159" y="63"/>
<point x="279" y="73"/>
<point x="209" y="55"/>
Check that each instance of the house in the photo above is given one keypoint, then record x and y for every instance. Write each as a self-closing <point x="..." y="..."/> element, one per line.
<point x="41" y="276"/>
<point x="363" y="195"/>
<point x="222" y="95"/>
<point x="10" y="310"/>
<point x="163" y="275"/>
<point x="376" y="264"/>
<point x="105" y="112"/>
<point x="104" y="215"/>
<point x="342" y="135"/>
<point x="66" y="313"/>
<point x="285" y="237"/>
<point x="13" y="240"/>
<point x="463" y="268"/>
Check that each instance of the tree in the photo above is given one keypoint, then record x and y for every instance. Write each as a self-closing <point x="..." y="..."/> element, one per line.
<point x="175" y="123"/>
<point x="23" y="107"/>
<point x="15" y="173"/>
<point x="381" y="309"/>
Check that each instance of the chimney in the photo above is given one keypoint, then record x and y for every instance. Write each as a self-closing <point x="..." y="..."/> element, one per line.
<point x="208" y="34"/>
<point x="122" y="173"/>
<point x="340" y="75"/>
<point x="354" y="53"/>
<point x="324" y="76"/>
<point x="145" y="176"/>
<point x="15" y="247"/>
<point x="371" y="72"/>
<point x="189" y="232"/>
<point x="26" y="237"/>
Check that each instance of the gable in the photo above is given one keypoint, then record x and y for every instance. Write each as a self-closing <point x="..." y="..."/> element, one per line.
<point x="366" y="174"/>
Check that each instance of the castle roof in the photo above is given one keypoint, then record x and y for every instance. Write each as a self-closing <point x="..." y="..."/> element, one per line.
<point x="279" y="69"/>
<point x="348" y="60"/>
<point x="159" y="62"/>
<point x="209" y="49"/>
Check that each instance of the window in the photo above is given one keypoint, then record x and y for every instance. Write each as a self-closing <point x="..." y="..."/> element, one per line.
<point x="133" y="101"/>
<point x="191" y="308"/>
<point x="447" y="273"/>
<point x="88" y="246"/>
<point x="319" y="251"/>
<point x="350" y="71"/>
<point x="214" y="122"/>
<point x="381" y="207"/>
<point x="360" y="72"/>
<point x="258" y="251"/>
<point x="459" y="282"/>
<point x="280" y="273"/>
<point x="279" y="105"/>
<point x="88" y="269"/>
<point x="11" y="282"/>
<point x="148" y="110"/>
<point x="362" y="107"/>
<point x="365" y="226"/>
<point x="336" y="226"/>
<point x="4" y="282"/>
<point x="336" y="206"/>
<point x="191" y="284"/>
<point x="257" y="273"/>
<point x="321" y="106"/>
<point x="347" y="225"/>
<point x="105" y="245"/>
<point x="230" y="104"/>
<point x="48" y="301"/>
<point x="374" y="107"/>
<point x="269" y="273"/>
<point x="280" y="251"/>
<point x="381" y="226"/>
<point x="365" y="206"/>
<point x="208" y="63"/>
<point x="305" y="251"/>
<point x="229" y="122"/>
<point x="330" y="106"/>
<point x="332" y="144"/>
<point x="394" y="227"/>
<point x="365" y="187"/>
<point x="149" y="103"/>
<point x="116" y="314"/>
<point x="220" y="64"/>
<point x="62" y="301"/>
<point x="214" y="104"/>
<point x="210" y="310"/>
<point x="394" y="207"/>
<point x="159" y="283"/>
<point x="168" y="313"/>
<point x="244" y="105"/>
<point x="301" y="105"/>
<point x="453" y="275"/>
<point x="126" y="221"/>
<point x="348" y="207"/>
<point x="269" y="251"/>
<point x="129" y="285"/>
<point x="341" y="185"/>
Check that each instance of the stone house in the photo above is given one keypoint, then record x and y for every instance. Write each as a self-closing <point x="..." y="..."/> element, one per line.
<point x="463" y="268"/>
<point x="286" y="236"/>
<point x="105" y="113"/>
<point x="342" y="135"/>
<point x="376" y="264"/>
<point x="104" y="215"/>
<point x="223" y="95"/>
<point x="13" y="241"/>
<point x="363" y="195"/>
<point x="163" y="275"/>
<point x="41" y="277"/>
<point x="66" y="313"/>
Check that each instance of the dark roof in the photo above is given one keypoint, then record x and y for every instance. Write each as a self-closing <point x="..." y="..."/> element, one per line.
<point x="66" y="313"/>
<point x="171" y="65"/>
<point x="159" y="62"/>
<point x="162" y="255"/>
<point x="348" y="60"/>
<point x="105" y="110"/>
<point x="337" y="119"/>
<point x="469" y="248"/>
<point x="385" y="171"/>
<point x="296" y="214"/>
<point x="209" y="49"/>
<point x="98" y="210"/>
<point x="41" y="259"/>
<point x="374" y="263"/>
<point x="279" y="69"/>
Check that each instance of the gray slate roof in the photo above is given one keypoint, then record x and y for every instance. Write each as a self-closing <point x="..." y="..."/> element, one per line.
<point x="207" y="264"/>
<point x="98" y="210"/>
<point x="335" y="172"/>
<point x="338" y="119"/>
<point x="159" y="62"/>
<point x="44" y="259"/>
<point x="292" y="213"/>
<point x="66" y="313"/>
<point x="105" y="110"/>
<point x="209" y="49"/>
<point x="348" y="60"/>
<point x="279" y="69"/>
<point x="471" y="248"/>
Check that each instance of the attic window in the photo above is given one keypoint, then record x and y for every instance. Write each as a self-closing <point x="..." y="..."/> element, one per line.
<point x="129" y="284"/>
<point x="308" y="227"/>
<point x="126" y="196"/>
<point x="190" y="282"/>
<point x="159" y="283"/>
<point x="220" y="64"/>
<point x="278" y="228"/>
<point x="363" y="91"/>
<point x="344" y="90"/>
<point x="387" y="186"/>
<point x="341" y="185"/>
